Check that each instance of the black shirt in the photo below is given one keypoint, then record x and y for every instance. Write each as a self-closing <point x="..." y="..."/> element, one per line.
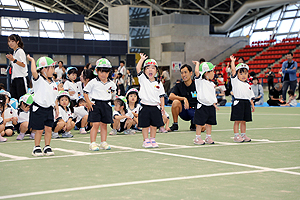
<point x="271" y="75"/>
<point x="189" y="92"/>
<point x="275" y="93"/>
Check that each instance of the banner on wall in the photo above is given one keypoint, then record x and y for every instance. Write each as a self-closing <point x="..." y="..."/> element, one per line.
<point x="176" y="65"/>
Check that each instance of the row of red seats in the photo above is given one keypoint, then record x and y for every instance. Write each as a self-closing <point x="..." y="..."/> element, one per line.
<point x="261" y="61"/>
<point x="265" y="41"/>
<point x="268" y="57"/>
<point x="291" y="39"/>
<point x="250" y="50"/>
<point x="244" y="54"/>
<point x="229" y="60"/>
<point x="277" y="66"/>
<point x="257" y="66"/>
<point x="275" y="52"/>
<point x="295" y="59"/>
<point x="264" y="75"/>
<point x="282" y="48"/>
<point x="296" y="55"/>
<point x="287" y="43"/>
<point x="256" y="46"/>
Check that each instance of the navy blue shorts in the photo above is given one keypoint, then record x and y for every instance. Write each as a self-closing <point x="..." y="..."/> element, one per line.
<point x="241" y="110"/>
<point x="187" y="114"/>
<point x="101" y="112"/>
<point x="40" y="117"/>
<point x="150" y="116"/>
<point x="205" y="115"/>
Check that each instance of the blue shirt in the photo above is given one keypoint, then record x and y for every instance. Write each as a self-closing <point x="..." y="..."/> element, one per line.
<point x="290" y="70"/>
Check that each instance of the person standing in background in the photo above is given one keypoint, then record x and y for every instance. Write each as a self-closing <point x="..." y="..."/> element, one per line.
<point x="166" y="80"/>
<point x="289" y="69"/>
<point x="270" y="76"/>
<point x="59" y="71"/>
<point x="129" y="80"/>
<point x="19" y="76"/>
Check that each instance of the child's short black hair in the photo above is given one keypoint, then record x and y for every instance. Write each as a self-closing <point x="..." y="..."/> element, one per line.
<point x="72" y="71"/>
<point x="187" y="66"/>
<point x="121" y="103"/>
<point x="253" y="74"/>
<point x="54" y="76"/>
<point x="242" y="59"/>
<point x="291" y="92"/>
<point x="242" y="70"/>
<point x="88" y="74"/>
<point x="103" y="69"/>
<point x="201" y="60"/>
<point x="2" y="102"/>
<point x="64" y="76"/>
<point x="80" y="101"/>
<point x="122" y="61"/>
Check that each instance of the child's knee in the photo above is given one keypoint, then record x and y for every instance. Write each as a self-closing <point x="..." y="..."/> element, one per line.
<point x="8" y="132"/>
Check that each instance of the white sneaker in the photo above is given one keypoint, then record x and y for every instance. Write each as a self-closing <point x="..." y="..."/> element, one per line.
<point x="104" y="145"/>
<point x="93" y="147"/>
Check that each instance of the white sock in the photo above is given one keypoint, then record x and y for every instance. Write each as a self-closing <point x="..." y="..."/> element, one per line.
<point x="236" y="134"/>
<point x="243" y="134"/>
<point x="198" y="136"/>
<point x="208" y="136"/>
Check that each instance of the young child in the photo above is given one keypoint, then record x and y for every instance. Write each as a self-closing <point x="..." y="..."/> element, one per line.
<point x="81" y="116"/>
<point x="132" y="97"/>
<point x="71" y="86"/>
<point x="205" y="114"/>
<point x="41" y="112"/>
<point x="64" y="123"/>
<point x="100" y="90"/>
<point x="242" y="104"/>
<point x="292" y="99"/>
<point x="152" y="100"/>
<point x="23" y="117"/>
<point x="122" y="119"/>
<point x="10" y="116"/>
<point x="2" y="105"/>
<point x="120" y="85"/>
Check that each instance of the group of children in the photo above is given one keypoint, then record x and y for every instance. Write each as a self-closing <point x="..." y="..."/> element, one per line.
<point x="55" y="108"/>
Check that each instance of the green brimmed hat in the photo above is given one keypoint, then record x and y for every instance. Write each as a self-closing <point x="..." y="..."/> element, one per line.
<point x="44" y="62"/>
<point x="63" y="93"/>
<point x="242" y="65"/>
<point x="150" y="62"/>
<point x="206" y="67"/>
<point x="26" y="98"/>
<point x="102" y="63"/>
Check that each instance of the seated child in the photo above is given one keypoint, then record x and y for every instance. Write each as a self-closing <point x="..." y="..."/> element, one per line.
<point x="132" y="97"/>
<point x="64" y="123"/>
<point x="23" y="117"/>
<point x="10" y="117"/>
<point x="292" y="99"/>
<point x="81" y="116"/>
<point x="122" y="119"/>
<point x="2" y="104"/>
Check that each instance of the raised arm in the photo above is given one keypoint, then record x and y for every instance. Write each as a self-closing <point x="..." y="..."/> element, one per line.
<point x="33" y="67"/>
<point x="233" y="71"/>
<point x="140" y="63"/>
<point x="197" y="64"/>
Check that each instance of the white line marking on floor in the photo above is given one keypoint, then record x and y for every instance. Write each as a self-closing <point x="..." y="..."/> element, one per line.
<point x="224" y="143"/>
<point x="135" y="183"/>
<point x="174" y="145"/>
<point x="71" y="151"/>
<point x="13" y="157"/>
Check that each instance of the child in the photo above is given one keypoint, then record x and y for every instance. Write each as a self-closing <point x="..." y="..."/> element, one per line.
<point x="205" y="114"/>
<point x="129" y="80"/>
<point x="71" y="86"/>
<point x="152" y="99"/>
<point x="292" y="99"/>
<point x="242" y="104"/>
<point x="23" y="117"/>
<point x="81" y="116"/>
<point x="100" y="90"/>
<point x="10" y="116"/>
<point x="120" y="85"/>
<point x="132" y="98"/>
<point x="2" y="105"/>
<point x="64" y="123"/>
<point x="41" y="112"/>
<point x="122" y="119"/>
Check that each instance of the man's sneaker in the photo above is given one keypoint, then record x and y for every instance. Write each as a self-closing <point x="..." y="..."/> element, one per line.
<point x="238" y="139"/>
<point x="32" y="135"/>
<point x="21" y="136"/>
<point x="154" y="143"/>
<point x="47" y="151"/>
<point x="93" y="147"/>
<point x="37" y="151"/>
<point x="105" y="146"/>
<point x="208" y="140"/>
<point x="162" y="130"/>
<point x="2" y="139"/>
<point x="55" y="135"/>
<point x="192" y="127"/>
<point x="82" y="131"/>
<point x="129" y="132"/>
<point x="199" y="141"/>
<point x="66" y="135"/>
<point x="147" y="143"/>
<point x="246" y="139"/>
<point x="174" y="127"/>
<point x="113" y="132"/>
<point x="137" y="129"/>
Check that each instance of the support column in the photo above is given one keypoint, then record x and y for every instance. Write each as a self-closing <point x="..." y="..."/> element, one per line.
<point x="34" y="27"/>
<point x="74" y="30"/>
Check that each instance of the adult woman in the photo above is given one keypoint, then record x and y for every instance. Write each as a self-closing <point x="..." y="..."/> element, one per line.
<point x="19" y="75"/>
<point x="258" y="92"/>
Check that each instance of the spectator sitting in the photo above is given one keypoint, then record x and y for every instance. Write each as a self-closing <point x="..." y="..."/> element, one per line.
<point x="275" y="96"/>
<point x="258" y="92"/>
<point x="292" y="99"/>
<point x="220" y="94"/>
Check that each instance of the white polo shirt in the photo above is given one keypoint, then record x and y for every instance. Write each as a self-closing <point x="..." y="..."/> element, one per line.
<point x="117" y="113"/>
<point x="45" y="93"/>
<point x="150" y="92"/>
<point x="64" y="114"/>
<point x="23" y="116"/>
<point x="59" y="72"/>
<point x="9" y="113"/>
<point x="72" y="86"/>
<point x="136" y="109"/>
<point x="79" y="113"/>
<point x="17" y="70"/>
<point x="240" y="89"/>
<point x="98" y="90"/>
<point x="206" y="93"/>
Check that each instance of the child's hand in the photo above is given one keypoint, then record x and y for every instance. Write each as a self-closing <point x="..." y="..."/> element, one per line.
<point x="163" y="111"/>
<point x="90" y="105"/>
<point x="10" y="57"/>
<point x="64" y="128"/>
<point x="72" y="92"/>
<point x="196" y="62"/>
<point x="253" y="108"/>
<point x="14" y="119"/>
<point x="186" y="104"/>
<point x="29" y="57"/>
<point x="143" y="56"/>
<point x="217" y="108"/>
<point x="232" y="58"/>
